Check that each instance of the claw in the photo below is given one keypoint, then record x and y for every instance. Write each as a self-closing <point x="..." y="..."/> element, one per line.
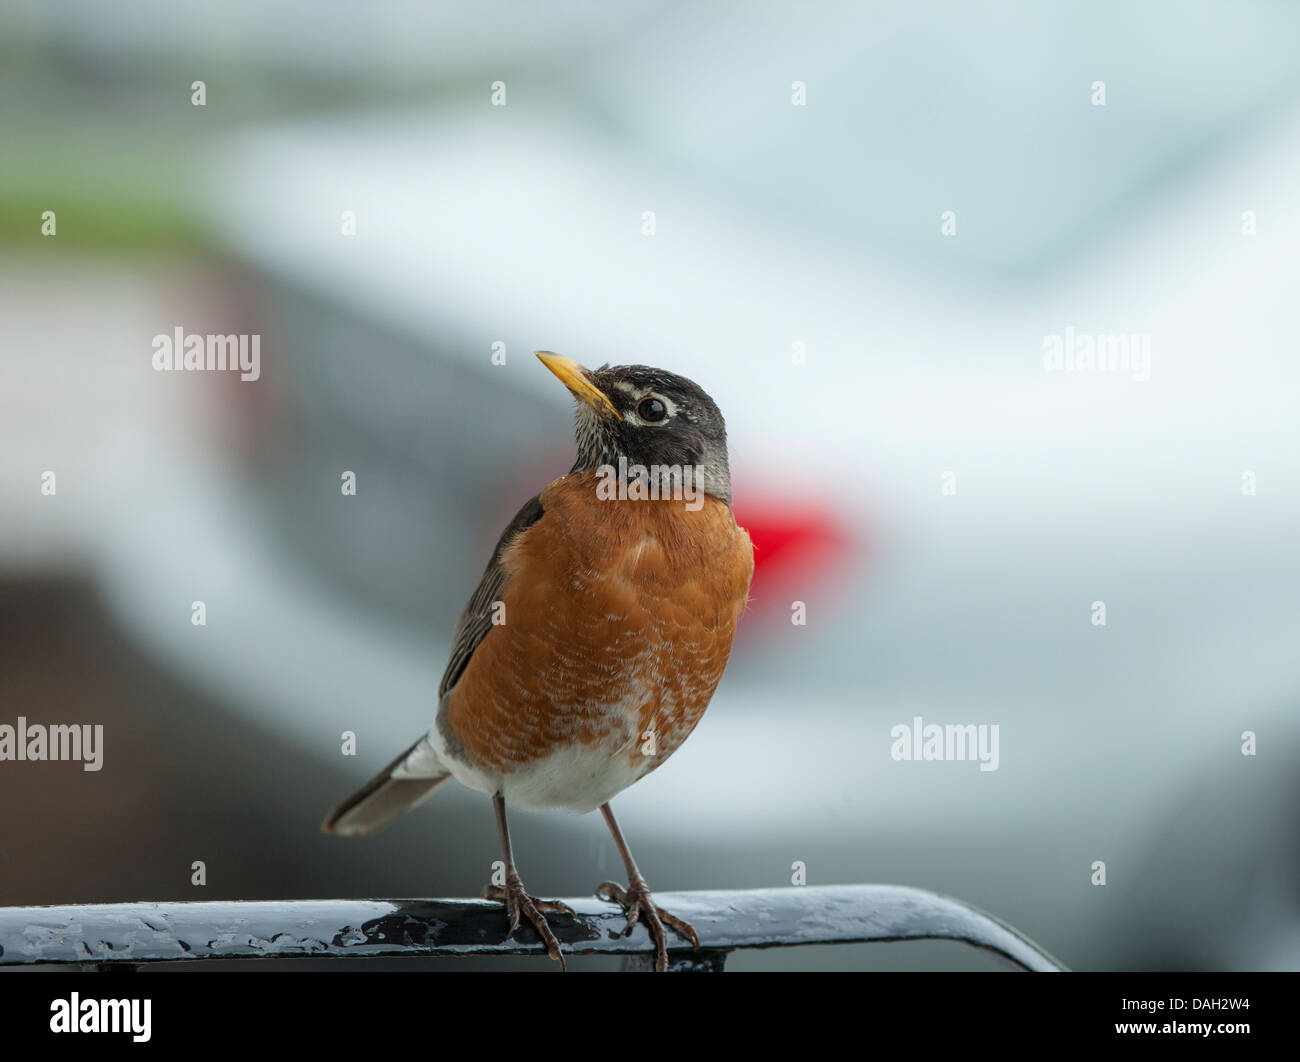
<point x="518" y="902"/>
<point x="639" y="905"/>
<point x="555" y="907"/>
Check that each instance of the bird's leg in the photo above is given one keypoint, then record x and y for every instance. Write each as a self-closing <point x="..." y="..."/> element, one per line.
<point x="517" y="900"/>
<point x="636" y="900"/>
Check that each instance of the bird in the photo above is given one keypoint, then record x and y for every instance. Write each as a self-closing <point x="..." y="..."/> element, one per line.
<point x="597" y="635"/>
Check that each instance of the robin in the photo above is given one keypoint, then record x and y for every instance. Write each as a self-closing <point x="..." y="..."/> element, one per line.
<point x="597" y="634"/>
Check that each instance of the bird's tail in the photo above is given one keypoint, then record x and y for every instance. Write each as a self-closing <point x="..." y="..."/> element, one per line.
<point x="408" y="780"/>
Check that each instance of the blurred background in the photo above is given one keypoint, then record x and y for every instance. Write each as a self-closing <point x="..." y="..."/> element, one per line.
<point x="857" y="226"/>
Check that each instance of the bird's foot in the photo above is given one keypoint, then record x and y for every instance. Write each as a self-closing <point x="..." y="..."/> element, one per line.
<point x="518" y="903"/>
<point x="636" y="901"/>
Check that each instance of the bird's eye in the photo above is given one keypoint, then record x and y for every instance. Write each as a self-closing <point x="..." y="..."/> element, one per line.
<point x="651" y="410"/>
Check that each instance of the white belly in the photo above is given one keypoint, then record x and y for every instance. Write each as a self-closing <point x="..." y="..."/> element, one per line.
<point x="575" y="778"/>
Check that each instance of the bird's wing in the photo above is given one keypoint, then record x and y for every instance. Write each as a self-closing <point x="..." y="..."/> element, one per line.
<point x="417" y="772"/>
<point x="476" y="620"/>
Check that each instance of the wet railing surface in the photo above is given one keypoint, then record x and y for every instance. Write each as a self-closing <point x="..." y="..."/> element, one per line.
<point x="108" y="936"/>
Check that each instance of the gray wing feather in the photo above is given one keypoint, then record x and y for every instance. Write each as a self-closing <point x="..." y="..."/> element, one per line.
<point x="381" y="800"/>
<point x="476" y="620"/>
<point x="385" y="796"/>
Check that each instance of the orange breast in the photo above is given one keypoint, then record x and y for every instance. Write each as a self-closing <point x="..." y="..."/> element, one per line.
<point x="619" y="619"/>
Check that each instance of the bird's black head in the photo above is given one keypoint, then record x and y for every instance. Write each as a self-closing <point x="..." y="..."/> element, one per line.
<point x="649" y="417"/>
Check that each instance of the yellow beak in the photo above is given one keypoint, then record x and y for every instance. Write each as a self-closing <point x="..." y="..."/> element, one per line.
<point x="574" y="377"/>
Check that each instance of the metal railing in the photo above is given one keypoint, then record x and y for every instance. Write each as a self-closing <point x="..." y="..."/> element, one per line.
<point x="125" y="935"/>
